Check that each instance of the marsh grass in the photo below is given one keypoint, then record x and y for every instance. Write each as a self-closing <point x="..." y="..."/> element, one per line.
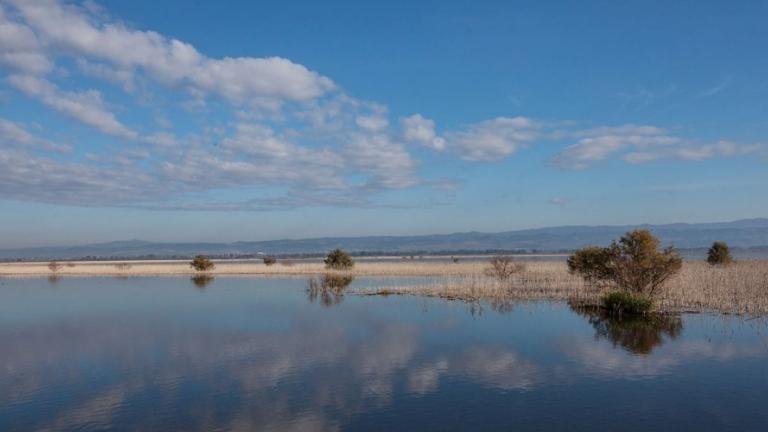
<point x="740" y="288"/>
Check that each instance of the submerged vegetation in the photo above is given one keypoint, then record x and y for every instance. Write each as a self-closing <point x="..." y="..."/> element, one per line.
<point x="328" y="289"/>
<point x="625" y="302"/>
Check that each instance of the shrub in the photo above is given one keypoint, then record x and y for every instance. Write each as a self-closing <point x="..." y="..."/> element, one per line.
<point x="619" y="302"/>
<point x="54" y="266"/>
<point x="503" y="267"/>
<point x="719" y="254"/>
<point x="337" y="259"/>
<point x="202" y="263"/>
<point x="634" y="263"/>
<point x="269" y="260"/>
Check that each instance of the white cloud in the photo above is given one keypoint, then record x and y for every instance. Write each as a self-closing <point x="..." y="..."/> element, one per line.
<point x="20" y="48"/>
<point x="695" y="153"/>
<point x="420" y="130"/>
<point x="492" y="140"/>
<point x="87" y="107"/>
<point x="601" y="143"/>
<point x="276" y="124"/>
<point x="712" y="91"/>
<point x="11" y="134"/>
<point x="559" y="201"/>
<point x="162" y="139"/>
<point x="387" y="162"/>
<point x="170" y="61"/>
<point x="259" y="140"/>
<point x="372" y="123"/>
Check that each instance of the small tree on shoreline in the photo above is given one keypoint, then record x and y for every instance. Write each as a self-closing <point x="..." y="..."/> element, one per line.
<point x="202" y="263"/>
<point x="633" y="264"/>
<point x="54" y="266"/>
<point x="269" y="260"/>
<point x="338" y="259"/>
<point x="719" y="254"/>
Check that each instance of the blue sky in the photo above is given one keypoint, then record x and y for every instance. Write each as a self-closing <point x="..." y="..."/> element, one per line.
<point x="241" y="121"/>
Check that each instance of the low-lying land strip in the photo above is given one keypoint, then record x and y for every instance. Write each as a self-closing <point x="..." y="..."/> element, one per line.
<point x="740" y="288"/>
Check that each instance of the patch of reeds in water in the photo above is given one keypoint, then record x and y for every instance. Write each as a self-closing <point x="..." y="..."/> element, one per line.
<point x="740" y="288"/>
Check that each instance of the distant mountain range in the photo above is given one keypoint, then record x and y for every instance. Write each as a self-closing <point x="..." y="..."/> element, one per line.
<point x="741" y="234"/>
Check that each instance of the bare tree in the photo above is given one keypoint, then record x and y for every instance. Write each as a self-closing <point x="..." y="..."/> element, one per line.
<point x="503" y="267"/>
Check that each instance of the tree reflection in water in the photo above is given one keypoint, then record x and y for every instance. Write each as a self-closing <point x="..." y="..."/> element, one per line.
<point x="328" y="289"/>
<point x="638" y="334"/>
<point x="476" y="307"/>
<point x="201" y="281"/>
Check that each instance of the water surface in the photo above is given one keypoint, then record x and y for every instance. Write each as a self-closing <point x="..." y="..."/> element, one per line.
<point x="238" y="353"/>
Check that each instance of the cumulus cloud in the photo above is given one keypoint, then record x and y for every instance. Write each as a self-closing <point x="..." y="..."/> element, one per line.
<point x="87" y="107"/>
<point x="492" y="140"/>
<point x="278" y="124"/>
<point x="73" y="30"/>
<point x="696" y="153"/>
<point x="11" y="134"/>
<point x="641" y="144"/>
<point x="373" y="123"/>
<point x="388" y="162"/>
<point x="20" y="48"/>
<point x="601" y="143"/>
<point x="420" y="130"/>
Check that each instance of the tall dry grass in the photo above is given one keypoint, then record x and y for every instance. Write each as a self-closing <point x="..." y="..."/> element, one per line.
<point x="740" y="288"/>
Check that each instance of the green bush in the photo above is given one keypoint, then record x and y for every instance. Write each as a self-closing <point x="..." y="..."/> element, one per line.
<point x="201" y="263"/>
<point x="719" y="254"/>
<point x="337" y="259"/>
<point x="634" y="263"/>
<point x="269" y="260"/>
<point x="623" y="302"/>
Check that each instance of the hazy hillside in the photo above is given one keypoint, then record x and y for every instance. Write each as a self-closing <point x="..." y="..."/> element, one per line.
<point x="747" y="233"/>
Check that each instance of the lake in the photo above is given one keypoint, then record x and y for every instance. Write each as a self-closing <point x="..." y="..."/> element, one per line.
<point x="240" y="353"/>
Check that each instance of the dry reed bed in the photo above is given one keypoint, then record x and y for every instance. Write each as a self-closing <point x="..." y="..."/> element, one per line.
<point x="741" y="288"/>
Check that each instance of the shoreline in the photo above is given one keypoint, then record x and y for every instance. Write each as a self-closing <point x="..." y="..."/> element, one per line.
<point x="740" y="288"/>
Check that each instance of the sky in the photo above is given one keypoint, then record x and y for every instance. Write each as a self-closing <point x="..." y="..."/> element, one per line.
<point x="241" y="120"/>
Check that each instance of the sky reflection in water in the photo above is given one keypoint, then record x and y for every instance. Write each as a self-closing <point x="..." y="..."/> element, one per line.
<point x="284" y="354"/>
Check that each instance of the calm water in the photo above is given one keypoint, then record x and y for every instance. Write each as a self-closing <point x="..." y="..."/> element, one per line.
<point x="265" y="354"/>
